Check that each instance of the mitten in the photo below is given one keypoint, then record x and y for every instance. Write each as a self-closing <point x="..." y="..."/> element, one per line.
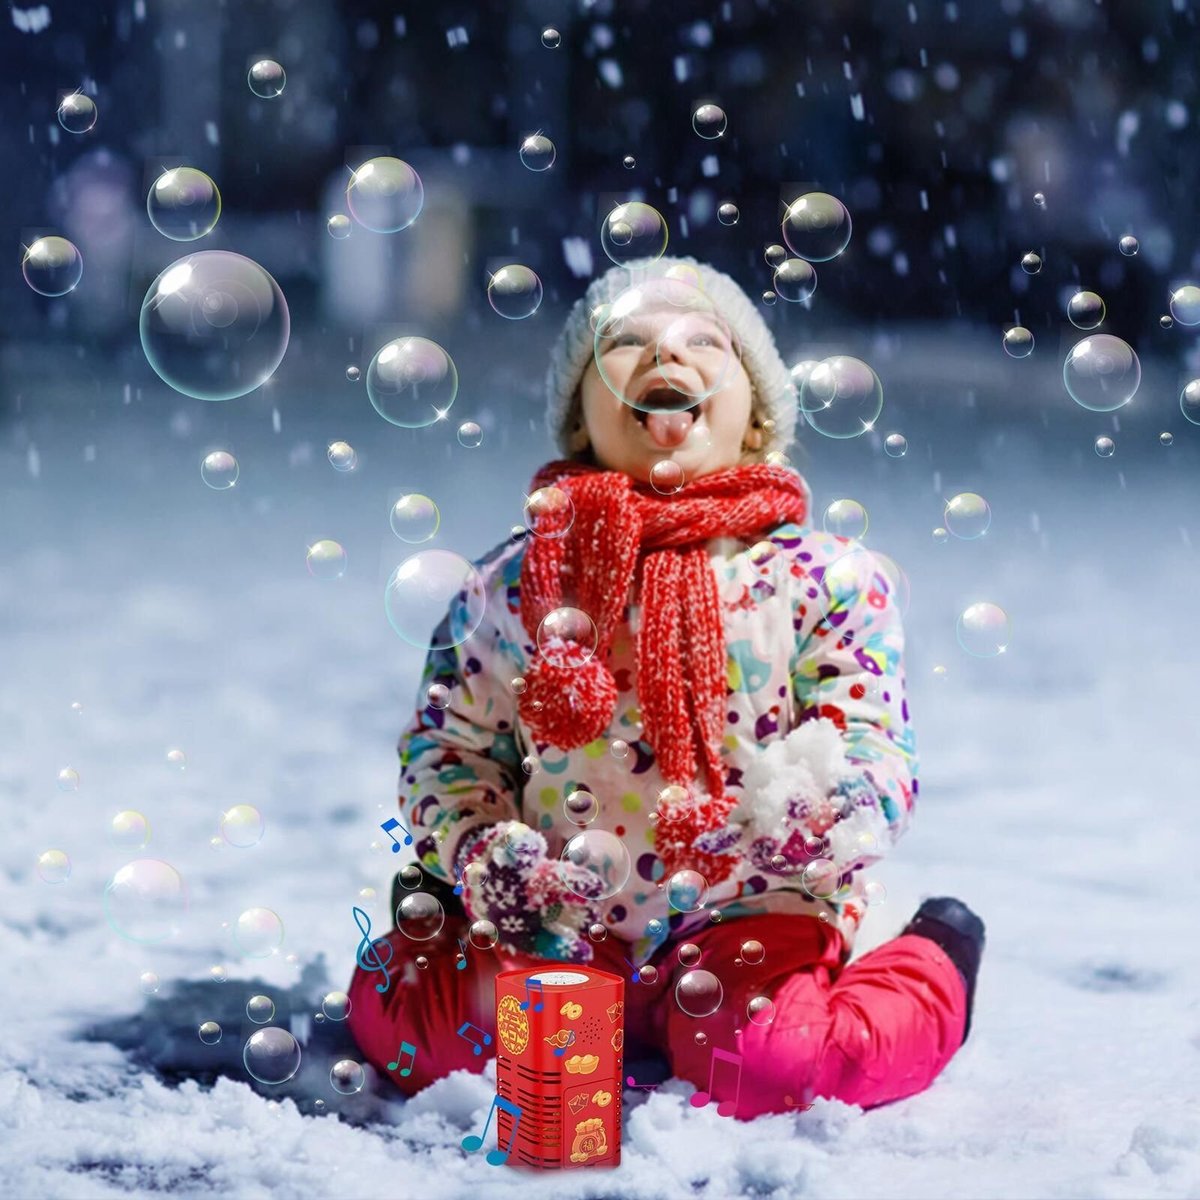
<point x="538" y="905"/>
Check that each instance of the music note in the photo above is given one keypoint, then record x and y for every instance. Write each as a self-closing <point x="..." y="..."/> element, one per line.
<point x="405" y="1048"/>
<point x="533" y="985"/>
<point x="497" y="1157"/>
<point x="461" y="965"/>
<point x="559" y="1051"/>
<point x="647" y="1087"/>
<point x="634" y="977"/>
<point x="387" y="828"/>
<point x="368" y="955"/>
<point x="487" y="1040"/>
<point x="725" y="1108"/>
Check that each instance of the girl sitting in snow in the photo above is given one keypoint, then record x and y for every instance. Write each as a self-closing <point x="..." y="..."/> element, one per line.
<point x="721" y="743"/>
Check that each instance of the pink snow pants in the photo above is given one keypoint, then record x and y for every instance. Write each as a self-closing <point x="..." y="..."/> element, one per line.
<point x="870" y="1033"/>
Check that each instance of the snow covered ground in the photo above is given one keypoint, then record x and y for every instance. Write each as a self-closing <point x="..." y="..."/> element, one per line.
<point x="1057" y="798"/>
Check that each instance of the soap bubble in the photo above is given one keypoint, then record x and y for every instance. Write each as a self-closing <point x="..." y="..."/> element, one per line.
<point x="183" y="204"/>
<point x="437" y="696"/>
<point x="129" y="830"/>
<point x="1085" y="310"/>
<point x="260" y="1009"/>
<point x="581" y="807"/>
<point x="68" y="780"/>
<point x="666" y="477"/>
<point x="412" y="382"/>
<point x="53" y="866"/>
<point x="210" y="1033"/>
<point x="342" y="456"/>
<point x="752" y="952"/>
<point x="602" y="855"/>
<point x="760" y="1010"/>
<point x="420" y="916"/>
<point x="820" y="878"/>
<point x="267" y="79"/>
<point x="271" y="1056"/>
<point x="410" y="876"/>
<point x="385" y="195"/>
<point x="619" y="749"/>
<point x="242" y="825"/>
<point x="537" y="152"/>
<point x="470" y="434"/>
<point x="1129" y="245"/>
<point x="633" y="231"/>
<point x="895" y="445"/>
<point x="551" y="38"/>
<point x="648" y="974"/>
<point x="214" y="325"/>
<point x="353" y="374"/>
<point x="775" y="256"/>
<point x="1031" y="263"/>
<point x="336" y="1006"/>
<point x="415" y="518"/>
<point x="1018" y="342"/>
<point x="1185" y="304"/>
<point x="1039" y="198"/>
<point x="794" y="280"/>
<point x="817" y="227"/>
<point x="769" y="297"/>
<point x="862" y="578"/>
<point x="689" y="953"/>
<point x="842" y="397"/>
<point x="1166" y="321"/>
<point x="1105" y="447"/>
<point x="874" y="893"/>
<point x="219" y="470"/>
<point x="699" y="993"/>
<point x="549" y="512"/>
<point x="326" y="559"/>
<point x="968" y="516"/>
<point x="941" y="536"/>
<point x="145" y="901"/>
<point x="52" y="266"/>
<point x="148" y="982"/>
<point x="1165" y="439"/>
<point x="629" y="162"/>
<point x="597" y="932"/>
<point x="435" y="599"/>
<point x="218" y="974"/>
<point x="258" y="932"/>
<point x="687" y="891"/>
<point x="728" y="214"/>
<point x="77" y="113"/>
<point x="339" y="226"/>
<point x="514" y="292"/>
<point x="709" y="121"/>
<point x="1189" y="401"/>
<point x="1102" y="373"/>
<point x="984" y="630"/>
<point x="483" y="935"/>
<point x="845" y="518"/>
<point x="347" y="1077"/>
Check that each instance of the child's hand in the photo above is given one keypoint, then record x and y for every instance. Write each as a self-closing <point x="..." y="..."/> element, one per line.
<point x="539" y="906"/>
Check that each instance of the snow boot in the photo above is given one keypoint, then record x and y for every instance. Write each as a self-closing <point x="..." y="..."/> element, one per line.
<point x="959" y="932"/>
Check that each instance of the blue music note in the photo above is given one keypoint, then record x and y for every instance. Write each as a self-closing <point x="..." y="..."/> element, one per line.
<point x="497" y="1157"/>
<point x="487" y="1041"/>
<point x="461" y="964"/>
<point x="533" y="985"/>
<point x="635" y="976"/>
<point x="368" y="955"/>
<point x="387" y="828"/>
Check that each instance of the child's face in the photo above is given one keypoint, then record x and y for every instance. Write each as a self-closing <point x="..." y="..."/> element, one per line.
<point x="659" y="362"/>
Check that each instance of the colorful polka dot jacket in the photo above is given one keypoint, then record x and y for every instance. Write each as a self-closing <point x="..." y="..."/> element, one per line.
<point x="818" y="746"/>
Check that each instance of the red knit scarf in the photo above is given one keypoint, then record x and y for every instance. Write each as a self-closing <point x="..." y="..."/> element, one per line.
<point x="622" y="533"/>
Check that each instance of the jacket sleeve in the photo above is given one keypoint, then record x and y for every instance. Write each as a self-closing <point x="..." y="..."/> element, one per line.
<point x="460" y="765"/>
<point x="849" y="668"/>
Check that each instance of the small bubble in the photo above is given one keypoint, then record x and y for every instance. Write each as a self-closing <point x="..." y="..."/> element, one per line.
<point x="210" y="1033"/>
<point x="339" y="226"/>
<point x="939" y="672"/>
<point x="319" y="1106"/>
<point x="597" y="932"/>
<point x="699" y="993"/>
<point x="941" y="536"/>
<point x="619" y="749"/>
<point x="68" y="780"/>
<point x="537" y="152"/>
<point x="700" y="1037"/>
<point x="1129" y="245"/>
<point x="437" y="696"/>
<point x="260" y="1009"/>
<point x="77" y="708"/>
<point x="769" y="297"/>
<point x="148" y="982"/>
<point x="760" y="1010"/>
<point x="752" y="952"/>
<point x="629" y="162"/>
<point x="1039" y="199"/>
<point x="689" y="954"/>
<point x="666" y="477"/>
<point x="483" y="935"/>
<point x="422" y="962"/>
<point x="874" y="894"/>
<point x="336" y="1005"/>
<point x="728" y="214"/>
<point x="470" y="434"/>
<point x="895" y="445"/>
<point x="77" y="113"/>
<point x="1105" y="447"/>
<point x="551" y="38"/>
<point x="648" y="974"/>
<point x="1165" y="439"/>
<point x="775" y="256"/>
<point x="1085" y="310"/>
<point x="326" y="559"/>
<point x="1185" y="305"/>
<point x="267" y="79"/>
<point x="54" y="866"/>
<point x="410" y="876"/>
<point x="353" y="374"/>
<point x="342" y="456"/>
<point x="1031" y="263"/>
<point x="1018" y="342"/>
<point x="709" y="121"/>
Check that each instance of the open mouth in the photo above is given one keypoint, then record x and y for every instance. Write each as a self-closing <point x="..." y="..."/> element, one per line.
<point x="672" y="418"/>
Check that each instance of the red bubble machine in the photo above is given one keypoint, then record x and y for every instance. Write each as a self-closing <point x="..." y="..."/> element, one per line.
<point x="561" y="1033"/>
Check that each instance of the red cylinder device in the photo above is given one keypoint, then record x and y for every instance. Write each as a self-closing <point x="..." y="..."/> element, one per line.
<point x="561" y="1033"/>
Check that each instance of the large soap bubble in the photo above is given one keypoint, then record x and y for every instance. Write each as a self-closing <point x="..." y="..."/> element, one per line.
<point x="145" y="901"/>
<point x="52" y="266"/>
<point x="214" y="325"/>
<point x="385" y="195"/>
<point x="426" y="587"/>
<point x="817" y="226"/>
<point x="412" y="382"/>
<point x="183" y="204"/>
<point x="634" y="231"/>
<point x="1102" y="373"/>
<point x="841" y="397"/>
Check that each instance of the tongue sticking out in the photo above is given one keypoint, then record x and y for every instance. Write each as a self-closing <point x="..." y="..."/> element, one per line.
<point x="669" y="429"/>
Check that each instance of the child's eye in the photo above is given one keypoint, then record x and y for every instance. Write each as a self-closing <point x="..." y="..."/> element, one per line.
<point x="703" y="339"/>
<point x="626" y="339"/>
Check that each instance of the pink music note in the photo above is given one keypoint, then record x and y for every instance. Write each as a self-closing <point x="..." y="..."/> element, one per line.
<point x="559" y="1051"/>
<point x="725" y="1108"/>
<point x="533" y="985"/>
<point x="462" y="1033"/>
<point x="387" y="828"/>
<point x="497" y="1157"/>
<point x="647" y="1087"/>
<point x="461" y="964"/>
<point x="405" y="1048"/>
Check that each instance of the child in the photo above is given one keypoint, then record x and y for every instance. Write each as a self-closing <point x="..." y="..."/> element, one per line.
<point x="676" y="738"/>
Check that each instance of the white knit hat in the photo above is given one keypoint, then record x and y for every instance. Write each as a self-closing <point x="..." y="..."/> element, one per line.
<point x="773" y="388"/>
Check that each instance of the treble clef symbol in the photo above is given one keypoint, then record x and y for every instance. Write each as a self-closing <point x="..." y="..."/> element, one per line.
<point x="368" y="955"/>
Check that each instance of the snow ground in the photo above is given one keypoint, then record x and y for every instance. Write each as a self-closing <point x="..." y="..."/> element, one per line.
<point x="1055" y="799"/>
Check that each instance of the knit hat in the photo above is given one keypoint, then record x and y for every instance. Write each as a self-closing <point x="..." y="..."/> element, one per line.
<point x="773" y="388"/>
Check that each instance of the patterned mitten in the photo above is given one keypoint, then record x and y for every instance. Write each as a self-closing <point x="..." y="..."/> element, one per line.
<point x="538" y="905"/>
